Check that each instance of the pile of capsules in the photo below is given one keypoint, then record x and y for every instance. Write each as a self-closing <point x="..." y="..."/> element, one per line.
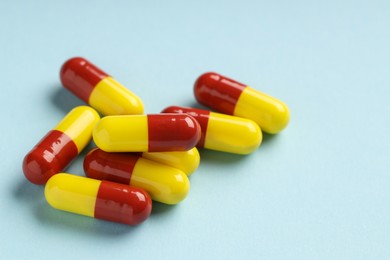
<point x="140" y="158"/>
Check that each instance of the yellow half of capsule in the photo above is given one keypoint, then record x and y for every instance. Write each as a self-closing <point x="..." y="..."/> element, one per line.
<point x="270" y="114"/>
<point x="78" y="125"/>
<point x="187" y="161"/>
<point x="122" y="133"/>
<point x="164" y="183"/>
<point x="232" y="134"/>
<point x="111" y="98"/>
<point x="72" y="193"/>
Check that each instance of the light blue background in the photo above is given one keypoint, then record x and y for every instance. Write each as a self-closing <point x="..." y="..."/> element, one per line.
<point x="318" y="190"/>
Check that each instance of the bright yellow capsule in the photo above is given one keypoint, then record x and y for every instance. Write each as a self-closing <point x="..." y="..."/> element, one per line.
<point x="234" y="98"/>
<point x="164" y="183"/>
<point x="147" y="133"/>
<point x="187" y="161"/>
<point x="99" y="199"/>
<point x="61" y="145"/>
<point x="223" y="132"/>
<point x="98" y="89"/>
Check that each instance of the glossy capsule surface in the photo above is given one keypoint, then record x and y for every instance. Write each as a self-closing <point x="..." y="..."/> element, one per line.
<point x="230" y="97"/>
<point x="147" y="133"/>
<point x="187" y="161"/>
<point x="98" y="89"/>
<point x="164" y="183"/>
<point x="223" y="132"/>
<point x="61" y="145"/>
<point x="99" y="199"/>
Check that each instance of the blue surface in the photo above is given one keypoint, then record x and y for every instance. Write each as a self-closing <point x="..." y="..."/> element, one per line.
<point x="318" y="190"/>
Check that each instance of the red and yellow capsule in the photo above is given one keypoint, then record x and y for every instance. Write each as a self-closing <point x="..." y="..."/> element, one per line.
<point x="164" y="183"/>
<point x="98" y="89"/>
<point x="147" y="133"/>
<point x="223" y="132"/>
<point x="61" y="145"/>
<point x="233" y="98"/>
<point x="99" y="199"/>
<point x="187" y="161"/>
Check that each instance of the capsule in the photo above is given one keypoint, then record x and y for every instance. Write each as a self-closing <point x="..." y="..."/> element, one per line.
<point x="98" y="199"/>
<point x="61" y="145"/>
<point x="98" y="89"/>
<point x="187" y="161"/>
<point x="164" y="183"/>
<point x="223" y="132"/>
<point x="233" y="98"/>
<point x="147" y="133"/>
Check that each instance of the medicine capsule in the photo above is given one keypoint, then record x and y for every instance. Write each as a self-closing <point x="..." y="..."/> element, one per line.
<point x="187" y="161"/>
<point x="99" y="199"/>
<point x="164" y="183"/>
<point x="61" y="145"/>
<point x="233" y="98"/>
<point x="98" y="89"/>
<point x="147" y="133"/>
<point x="223" y="132"/>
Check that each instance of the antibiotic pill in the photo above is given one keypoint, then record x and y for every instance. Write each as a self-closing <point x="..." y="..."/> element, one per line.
<point x="223" y="132"/>
<point x="98" y="89"/>
<point x="98" y="199"/>
<point x="147" y="133"/>
<point x="61" y="145"/>
<point x="187" y="161"/>
<point x="233" y="98"/>
<point x="164" y="183"/>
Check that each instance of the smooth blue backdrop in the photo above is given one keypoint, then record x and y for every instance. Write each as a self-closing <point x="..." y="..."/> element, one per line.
<point x="318" y="190"/>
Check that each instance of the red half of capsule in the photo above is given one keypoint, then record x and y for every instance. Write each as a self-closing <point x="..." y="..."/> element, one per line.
<point x="50" y="156"/>
<point x="116" y="167"/>
<point x="113" y="206"/>
<point x="81" y="76"/>
<point x="201" y="115"/>
<point x="218" y="92"/>
<point x="177" y="133"/>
